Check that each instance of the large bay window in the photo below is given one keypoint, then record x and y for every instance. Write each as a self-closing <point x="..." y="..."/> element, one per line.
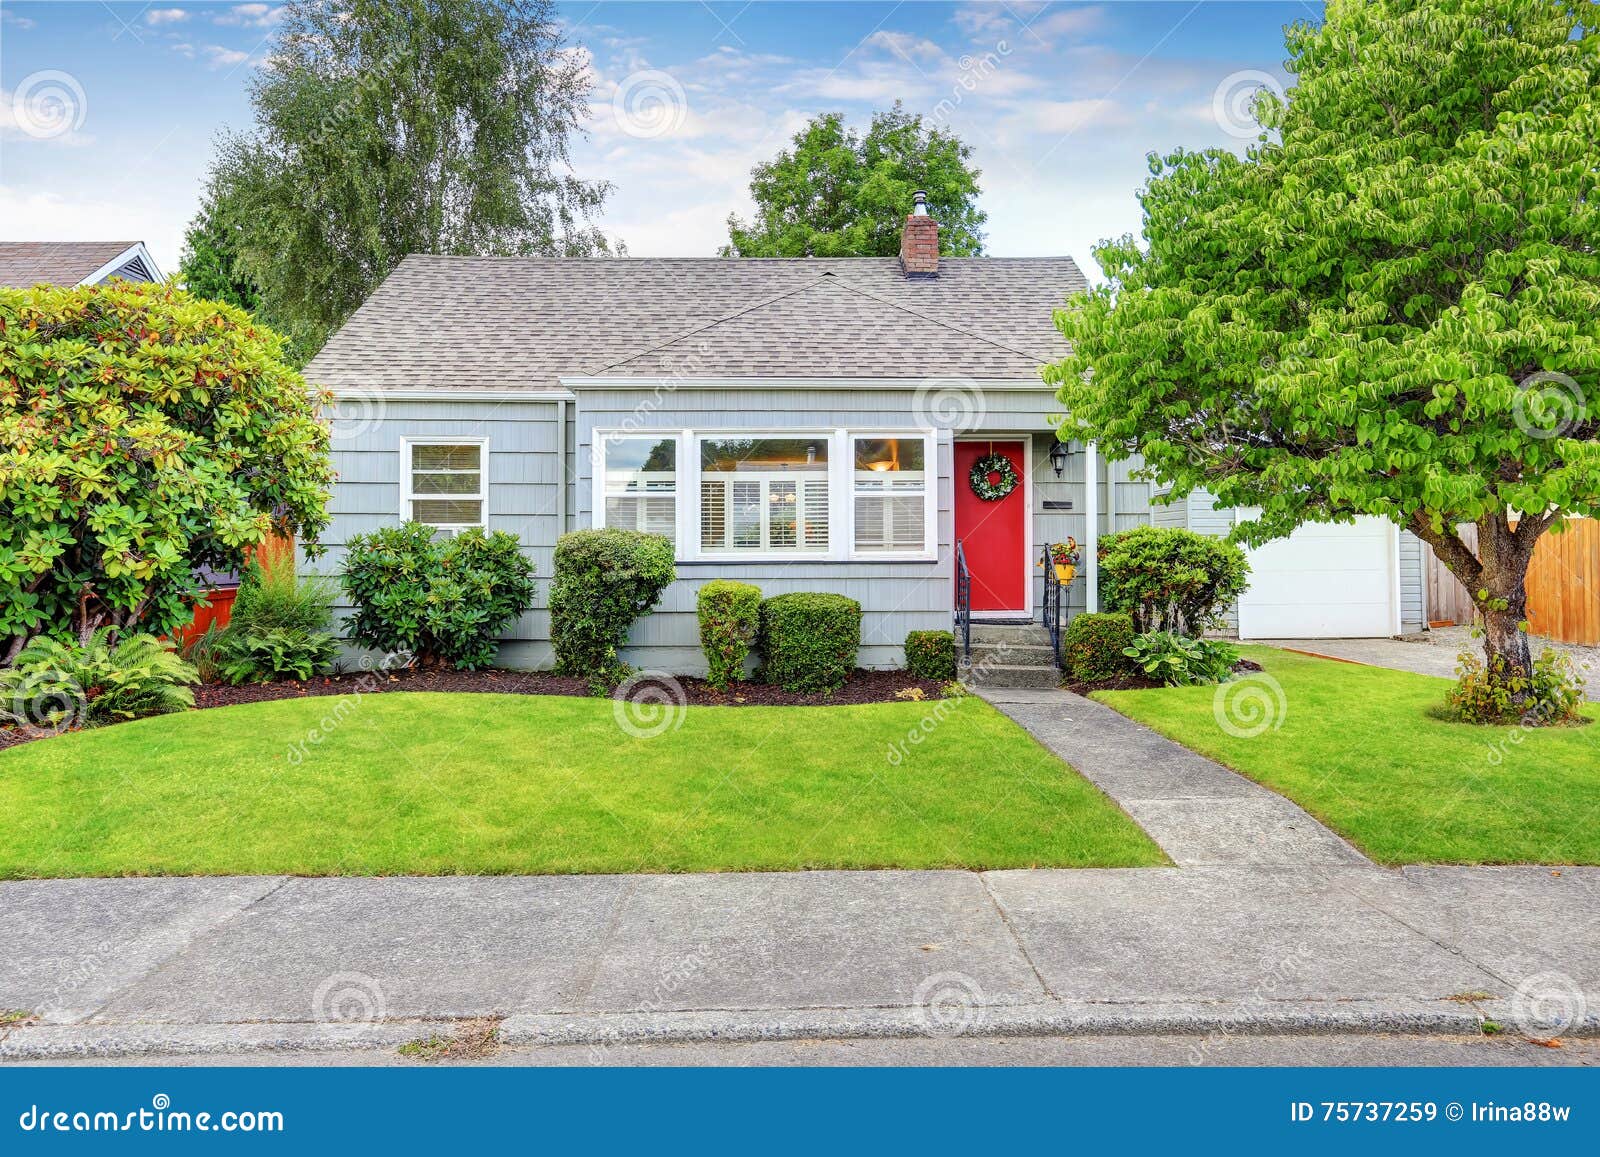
<point x="641" y="484"/>
<point x="824" y="494"/>
<point x="443" y="483"/>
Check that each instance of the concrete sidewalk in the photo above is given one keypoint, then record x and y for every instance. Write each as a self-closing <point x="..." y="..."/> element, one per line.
<point x="224" y="966"/>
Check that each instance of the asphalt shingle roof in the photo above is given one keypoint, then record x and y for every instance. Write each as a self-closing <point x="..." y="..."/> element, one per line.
<point x="522" y="323"/>
<point x="24" y="264"/>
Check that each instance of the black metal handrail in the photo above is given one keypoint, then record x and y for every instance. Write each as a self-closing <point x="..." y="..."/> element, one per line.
<point x="964" y="603"/>
<point x="1054" y="604"/>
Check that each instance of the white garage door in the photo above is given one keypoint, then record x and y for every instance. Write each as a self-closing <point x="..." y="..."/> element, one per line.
<point x="1323" y="582"/>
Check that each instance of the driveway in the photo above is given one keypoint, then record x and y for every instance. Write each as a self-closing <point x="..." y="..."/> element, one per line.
<point x="1434" y="652"/>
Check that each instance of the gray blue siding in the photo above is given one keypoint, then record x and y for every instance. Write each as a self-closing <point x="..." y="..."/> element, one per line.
<point x="523" y="486"/>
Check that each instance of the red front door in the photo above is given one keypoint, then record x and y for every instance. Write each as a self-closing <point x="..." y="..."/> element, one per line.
<point x="994" y="534"/>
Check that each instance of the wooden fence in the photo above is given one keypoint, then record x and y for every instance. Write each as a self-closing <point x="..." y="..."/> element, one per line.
<point x="1563" y="585"/>
<point x="1448" y="600"/>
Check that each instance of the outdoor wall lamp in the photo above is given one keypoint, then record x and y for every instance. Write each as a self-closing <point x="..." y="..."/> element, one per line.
<point x="1059" y="453"/>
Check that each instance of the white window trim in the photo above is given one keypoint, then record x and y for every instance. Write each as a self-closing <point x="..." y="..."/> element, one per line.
<point x="930" y="497"/>
<point x="841" y="492"/>
<point x="407" y="496"/>
<point x="597" y="472"/>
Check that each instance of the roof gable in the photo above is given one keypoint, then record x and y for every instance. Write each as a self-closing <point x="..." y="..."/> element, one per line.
<point x="24" y="264"/>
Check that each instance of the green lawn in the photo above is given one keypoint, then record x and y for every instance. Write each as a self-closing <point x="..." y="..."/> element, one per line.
<point x="473" y="783"/>
<point x="1364" y="750"/>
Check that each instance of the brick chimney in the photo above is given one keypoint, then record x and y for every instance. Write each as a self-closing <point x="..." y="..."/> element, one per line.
<point x="919" y="244"/>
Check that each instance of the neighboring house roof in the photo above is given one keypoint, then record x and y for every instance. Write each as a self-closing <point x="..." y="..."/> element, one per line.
<point x="24" y="264"/>
<point x="524" y="323"/>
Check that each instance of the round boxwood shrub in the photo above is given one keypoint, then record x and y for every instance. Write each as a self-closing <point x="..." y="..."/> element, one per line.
<point x="808" y="640"/>
<point x="1093" y="647"/>
<point x="931" y="655"/>
<point x="730" y="616"/>
<point x="604" y="579"/>
<point x="444" y="600"/>
<point x="1170" y="579"/>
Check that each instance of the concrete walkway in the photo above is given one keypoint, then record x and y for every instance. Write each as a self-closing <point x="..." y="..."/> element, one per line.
<point x="1200" y="813"/>
<point x="224" y="966"/>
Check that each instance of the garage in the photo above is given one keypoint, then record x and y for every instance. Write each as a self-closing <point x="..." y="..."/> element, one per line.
<point x="1324" y="582"/>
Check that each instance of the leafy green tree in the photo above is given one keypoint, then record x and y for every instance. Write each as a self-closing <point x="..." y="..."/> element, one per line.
<point x="209" y="267"/>
<point x="1390" y="306"/>
<point x="387" y="127"/>
<point x="839" y="194"/>
<point x="143" y="433"/>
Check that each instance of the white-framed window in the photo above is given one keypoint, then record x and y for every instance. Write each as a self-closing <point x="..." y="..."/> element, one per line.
<point x="444" y="482"/>
<point x="889" y="486"/>
<point x="764" y="494"/>
<point x="782" y="494"/>
<point x="639" y="479"/>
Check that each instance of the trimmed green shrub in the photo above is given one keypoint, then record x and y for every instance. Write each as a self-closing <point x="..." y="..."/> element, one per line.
<point x="63" y="685"/>
<point x="443" y="600"/>
<point x="809" y="641"/>
<point x="604" y="580"/>
<point x="931" y="655"/>
<point x="1170" y="579"/>
<point x="279" y="625"/>
<point x="1179" y="661"/>
<point x="1093" y="647"/>
<point x="730" y="616"/>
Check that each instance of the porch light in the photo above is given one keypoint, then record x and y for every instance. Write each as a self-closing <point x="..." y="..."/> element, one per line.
<point x="1059" y="453"/>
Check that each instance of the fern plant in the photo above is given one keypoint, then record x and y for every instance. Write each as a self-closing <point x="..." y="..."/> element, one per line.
<point x="280" y="624"/>
<point x="260" y="656"/>
<point x="63" y="685"/>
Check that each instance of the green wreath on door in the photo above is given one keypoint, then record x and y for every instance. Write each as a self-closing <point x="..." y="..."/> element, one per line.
<point x="996" y="464"/>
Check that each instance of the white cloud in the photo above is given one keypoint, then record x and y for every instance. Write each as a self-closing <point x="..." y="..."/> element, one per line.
<point x="219" y="57"/>
<point x="1058" y="117"/>
<point x="49" y="112"/>
<point x="51" y="216"/>
<point x="9" y="17"/>
<point x="904" y="45"/>
<point x="158" y="16"/>
<point x="251" y="15"/>
<point x="982" y="20"/>
<point x="1068" y="23"/>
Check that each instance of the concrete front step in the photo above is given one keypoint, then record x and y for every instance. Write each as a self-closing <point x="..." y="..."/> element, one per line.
<point x="1011" y="676"/>
<point x="1017" y="634"/>
<point x="1013" y="654"/>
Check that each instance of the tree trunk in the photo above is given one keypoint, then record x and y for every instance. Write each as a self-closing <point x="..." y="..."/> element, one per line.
<point x="1496" y="579"/>
<point x="1501" y="597"/>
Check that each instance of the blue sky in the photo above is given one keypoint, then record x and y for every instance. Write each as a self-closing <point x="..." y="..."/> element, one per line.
<point x="108" y="111"/>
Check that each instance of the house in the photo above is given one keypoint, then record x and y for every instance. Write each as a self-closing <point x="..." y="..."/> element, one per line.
<point x="806" y="424"/>
<point x="24" y="264"/>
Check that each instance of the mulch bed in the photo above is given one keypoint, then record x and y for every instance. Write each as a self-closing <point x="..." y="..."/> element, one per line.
<point x="861" y="687"/>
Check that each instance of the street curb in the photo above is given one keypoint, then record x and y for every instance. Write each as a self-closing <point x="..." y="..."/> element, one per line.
<point x="1202" y="1021"/>
<point x="1050" y="1019"/>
